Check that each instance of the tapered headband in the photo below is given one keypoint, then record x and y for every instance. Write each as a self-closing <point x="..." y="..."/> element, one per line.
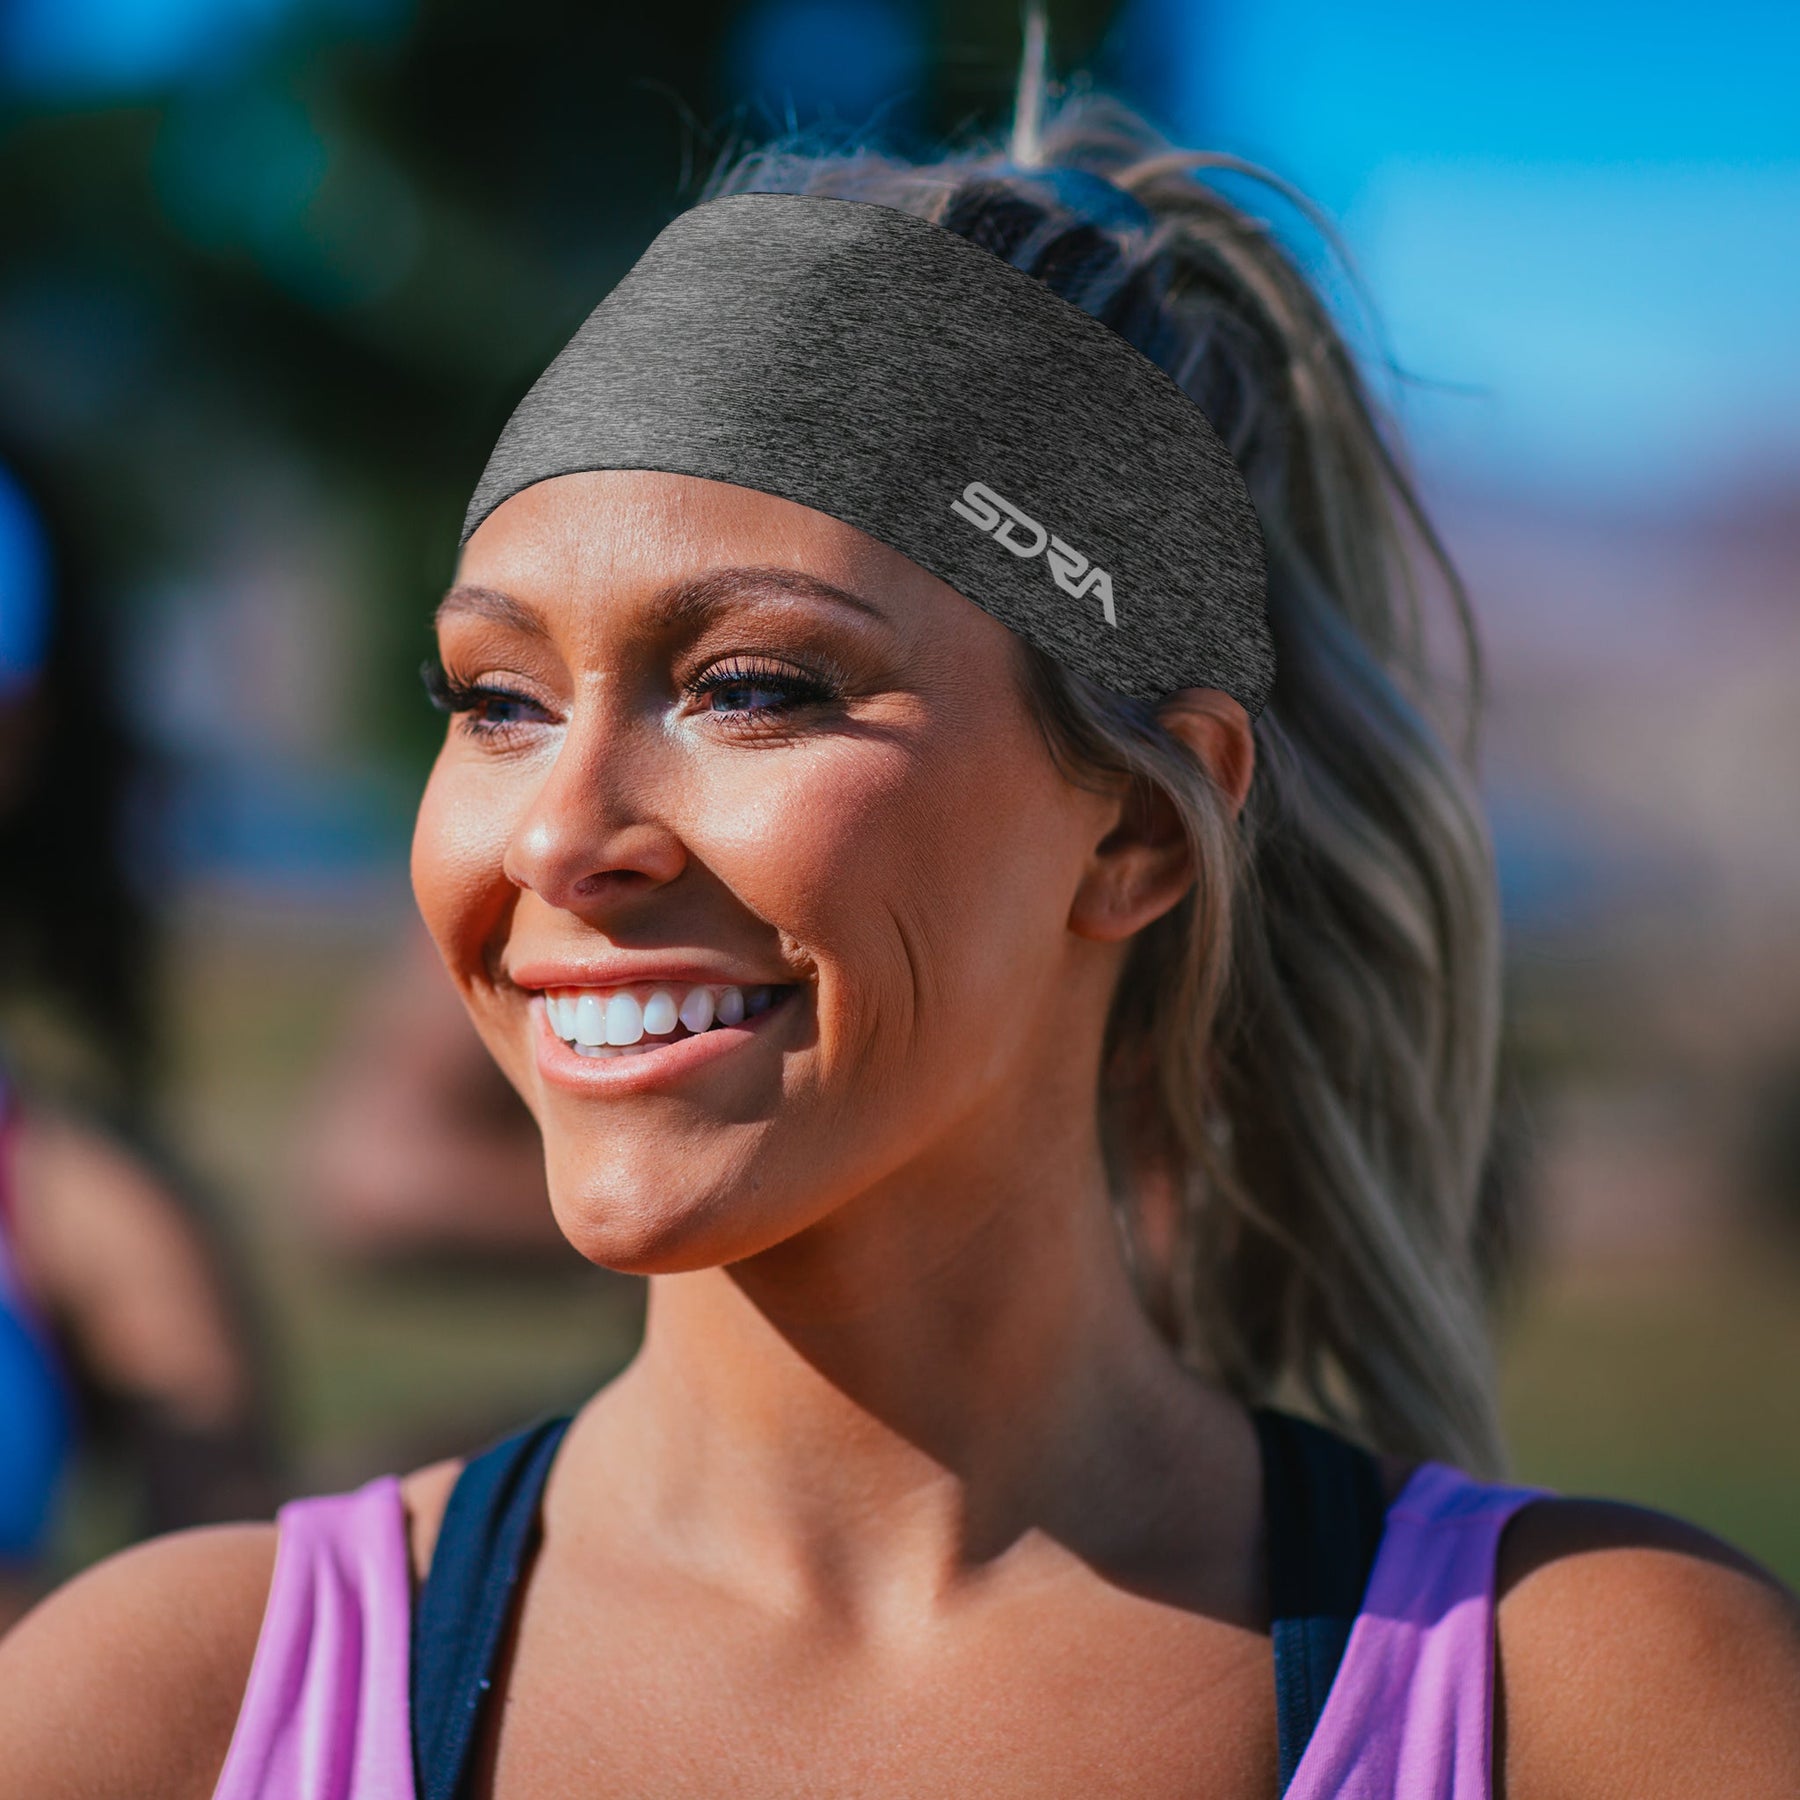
<point x="886" y="371"/>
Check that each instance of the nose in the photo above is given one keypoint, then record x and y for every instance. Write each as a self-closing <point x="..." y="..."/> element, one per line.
<point x="592" y="832"/>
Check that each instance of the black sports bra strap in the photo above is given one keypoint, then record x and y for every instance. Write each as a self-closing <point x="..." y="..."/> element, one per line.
<point x="459" y="1620"/>
<point x="1324" y="1508"/>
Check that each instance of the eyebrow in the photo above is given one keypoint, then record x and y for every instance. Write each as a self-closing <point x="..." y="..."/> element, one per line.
<point x="695" y="600"/>
<point x="492" y="605"/>
<point x="682" y="603"/>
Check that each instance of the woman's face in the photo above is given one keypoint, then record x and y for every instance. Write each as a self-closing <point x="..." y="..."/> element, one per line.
<point x="721" y="762"/>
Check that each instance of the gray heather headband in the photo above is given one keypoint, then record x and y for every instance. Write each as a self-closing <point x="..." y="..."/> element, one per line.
<point x="884" y="370"/>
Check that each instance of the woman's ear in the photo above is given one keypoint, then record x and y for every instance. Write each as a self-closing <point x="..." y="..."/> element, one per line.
<point x="1217" y="729"/>
<point x="1143" y="866"/>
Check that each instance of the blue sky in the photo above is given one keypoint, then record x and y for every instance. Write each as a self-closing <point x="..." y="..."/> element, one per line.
<point x="1588" y="212"/>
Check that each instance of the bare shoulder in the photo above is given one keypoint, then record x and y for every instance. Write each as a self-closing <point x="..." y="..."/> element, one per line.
<point x="1640" y="1656"/>
<point x="424" y="1494"/>
<point x="128" y="1680"/>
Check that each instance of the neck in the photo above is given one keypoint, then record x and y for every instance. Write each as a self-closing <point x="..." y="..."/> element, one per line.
<point x="942" y="1372"/>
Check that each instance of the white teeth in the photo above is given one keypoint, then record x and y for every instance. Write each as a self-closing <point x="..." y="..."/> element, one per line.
<point x="613" y="1022"/>
<point x="590" y="1020"/>
<point x="624" y="1020"/>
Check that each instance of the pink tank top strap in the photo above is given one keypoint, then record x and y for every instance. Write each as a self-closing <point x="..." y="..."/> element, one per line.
<point x="325" y="1714"/>
<point x="1410" y="1715"/>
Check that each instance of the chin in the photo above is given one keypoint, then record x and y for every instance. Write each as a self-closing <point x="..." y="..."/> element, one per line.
<point x="663" y="1231"/>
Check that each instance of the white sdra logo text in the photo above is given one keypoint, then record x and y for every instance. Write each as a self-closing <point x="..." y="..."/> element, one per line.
<point x="1005" y="524"/>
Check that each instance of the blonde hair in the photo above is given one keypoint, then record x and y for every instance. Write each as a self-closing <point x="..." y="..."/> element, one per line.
<point x="1301" y="1055"/>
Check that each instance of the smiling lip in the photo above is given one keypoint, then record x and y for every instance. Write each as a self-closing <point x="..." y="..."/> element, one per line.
<point x="628" y="971"/>
<point x="562" y="1065"/>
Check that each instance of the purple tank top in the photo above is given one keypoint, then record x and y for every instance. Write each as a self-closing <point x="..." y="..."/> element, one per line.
<point x="325" y="1714"/>
<point x="1410" y="1716"/>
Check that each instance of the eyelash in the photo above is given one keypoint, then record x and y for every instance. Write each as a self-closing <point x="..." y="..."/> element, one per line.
<point x="796" y="688"/>
<point x="455" y="697"/>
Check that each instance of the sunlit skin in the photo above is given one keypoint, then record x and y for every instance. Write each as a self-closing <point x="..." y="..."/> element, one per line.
<point x="900" y="849"/>
<point x="902" y="1495"/>
<point x="891" y="1346"/>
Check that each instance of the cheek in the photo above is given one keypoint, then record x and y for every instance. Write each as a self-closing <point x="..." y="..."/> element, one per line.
<point x="458" y="850"/>
<point x="928" y="878"/>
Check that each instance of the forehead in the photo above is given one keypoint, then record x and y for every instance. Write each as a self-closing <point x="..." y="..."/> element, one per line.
<point x="636" y="533"/>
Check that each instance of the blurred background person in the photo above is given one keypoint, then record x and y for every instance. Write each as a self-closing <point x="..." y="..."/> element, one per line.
<point x="34" y="1422"/>
<point x="415" y="1145"/>
<point x="122" y="1334"/>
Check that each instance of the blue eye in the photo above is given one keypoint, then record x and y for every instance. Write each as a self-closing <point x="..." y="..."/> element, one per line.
<point x="493" y="706"/>
<point x="749" y="696"/>
<point x="738" y="689"/>
<point x="486" y="709"/>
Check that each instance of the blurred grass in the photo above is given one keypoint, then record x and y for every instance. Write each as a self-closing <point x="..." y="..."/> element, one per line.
<point x="391" y="1371"/>
<point x="1676" y="1385"/>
